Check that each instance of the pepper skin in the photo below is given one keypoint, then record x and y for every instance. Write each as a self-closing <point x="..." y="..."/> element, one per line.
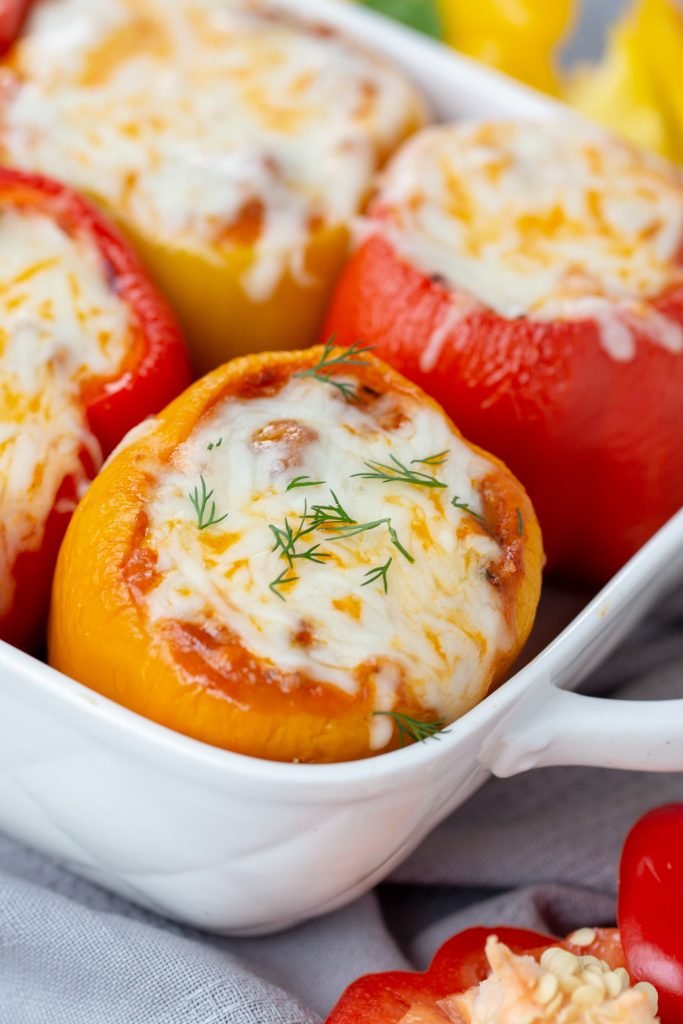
<point x="155" y="370"/>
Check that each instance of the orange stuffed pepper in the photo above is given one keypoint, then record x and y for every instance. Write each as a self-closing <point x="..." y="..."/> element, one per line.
<point x="302" y="559"/>
<point x="232" y="146"/>
<point x="530" y="277"/>
<point x="87" y="349"/>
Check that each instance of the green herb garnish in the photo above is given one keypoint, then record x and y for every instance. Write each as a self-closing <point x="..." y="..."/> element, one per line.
<point x="200" y="501"/>
<point x="303" y="481"/>
<point x="464" y="507"/>
<point x="282" y="581"/>
<point x="379" y="572"/>
<point x="328" y="364"/>
<point x="432" y="460"/>
<point x="328" y="516"/>
<point x="287" y="539"/>
<point x="413" y="728"/>
<point x="354" y="528"/>
<point x="520" y="524"/>
<point x="339" y="525"/>
<point x="400" y="473"/>
<point x="214" y="444"/>
<point x="350" y="531"/>
<point x="397" y="544"/>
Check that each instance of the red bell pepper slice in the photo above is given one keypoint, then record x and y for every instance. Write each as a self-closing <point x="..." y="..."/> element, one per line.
<point x="459" y="965"/>
<point x="13" y="14"/>
<point x="155" y="371"/>
<point x="650" y="906"/>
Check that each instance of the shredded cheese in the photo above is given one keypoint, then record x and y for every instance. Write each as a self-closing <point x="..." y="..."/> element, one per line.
<point x="550" y="220"/>
<point x="439" y="631"/>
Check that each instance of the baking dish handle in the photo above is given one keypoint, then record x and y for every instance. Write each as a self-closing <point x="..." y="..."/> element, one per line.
<point x="559" y="727"/>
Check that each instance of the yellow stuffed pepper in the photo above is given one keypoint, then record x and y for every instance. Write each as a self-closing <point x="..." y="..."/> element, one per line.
<point x="300" y="559"/>
<point x="233" y="147"/>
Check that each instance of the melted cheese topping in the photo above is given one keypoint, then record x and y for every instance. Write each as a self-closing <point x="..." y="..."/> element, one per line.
<point x="433" y="637"/>
<point x="205" y="123"/>
<point x="60" y="325"/>
<point x="544" y="220"/>
<point x="567" y="990"/>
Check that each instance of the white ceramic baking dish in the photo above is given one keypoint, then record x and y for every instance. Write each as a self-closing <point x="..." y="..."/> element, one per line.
<point x="238" y="845"/>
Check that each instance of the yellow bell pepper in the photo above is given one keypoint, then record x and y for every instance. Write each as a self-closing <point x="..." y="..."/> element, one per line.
<point x="518" y="37"/>
<point x="636" y="90"/>
<point x="219" y="318"/>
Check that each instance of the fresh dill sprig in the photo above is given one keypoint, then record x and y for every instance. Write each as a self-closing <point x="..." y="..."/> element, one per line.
<point x="329" y="516"/>
<point x="282" y="581"/>
<point x="329" y="363"/>
<point x="200" y="501"/>
<point x="303" y="481"/>
<point x="432" y="460"/>
<point x="339" y="525"/>
<point x="287" y="539"/>
<point x="354" y="528"/>
<point x="413" y="728"/>
<point x="214" y="444"/>
<point x="397" y="544"/>
<point x="400" y="473"/>
<point x="464" y="507"/>
<point x="520" y="524"/>
<point x="379" y="572"/>
<point x="344" y="532"/>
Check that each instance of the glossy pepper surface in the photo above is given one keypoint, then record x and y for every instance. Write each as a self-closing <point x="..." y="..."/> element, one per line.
<point x="651" y="904"/>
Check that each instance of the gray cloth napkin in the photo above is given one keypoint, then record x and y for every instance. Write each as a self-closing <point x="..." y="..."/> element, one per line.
<point x="539" y="850"/>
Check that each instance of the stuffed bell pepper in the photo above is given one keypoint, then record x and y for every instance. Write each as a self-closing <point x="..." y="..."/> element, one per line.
<point x="87" y="349"/>
<point x="530" y="277"/>
<point x="300" y="559"/>
<point x="232" y="144"/>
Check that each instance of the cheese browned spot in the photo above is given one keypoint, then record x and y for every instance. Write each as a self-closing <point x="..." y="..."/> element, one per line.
<point x="61" y="325"/>
<point x="548" y="220"/>
<point x="259" y="467"/>
<point x="204" y="123"/>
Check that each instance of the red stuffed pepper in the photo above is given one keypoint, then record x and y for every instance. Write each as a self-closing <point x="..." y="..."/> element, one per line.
<point x="87" y="350"/>
<point x="507" y="976"/>
<point x="530" y="277"/>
